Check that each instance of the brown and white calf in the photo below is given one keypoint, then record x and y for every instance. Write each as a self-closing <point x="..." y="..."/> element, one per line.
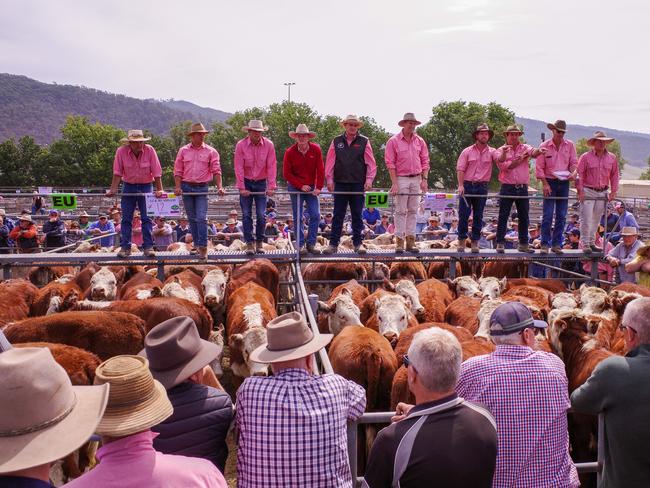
<point x="392" y="315"/>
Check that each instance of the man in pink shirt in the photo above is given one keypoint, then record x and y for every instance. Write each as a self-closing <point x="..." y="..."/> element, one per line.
<point x="514" y="175"/>
<point x="554" y="169"/>
<point x="255" y="172"/>
<point x="137" y="165"/>
<point x="474" y="170"/>
<point x="597" y="173"/>
<point x="407" y="160"/>
<point x="195" y="166"/>
<point x="350" y="168"/>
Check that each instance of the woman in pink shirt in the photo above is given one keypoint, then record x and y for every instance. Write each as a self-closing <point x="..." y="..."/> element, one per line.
<point x="136" y="232"/>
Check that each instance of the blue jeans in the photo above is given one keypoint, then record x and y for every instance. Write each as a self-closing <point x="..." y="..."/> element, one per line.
<point x="313" y="209"/>
<point x="558" y="189"/>
<point x="196" y="208"/>
<point x="341" y="203"/>
<point x="474" y="205"/>
<point x="128" y="208"/>
<point x="504" y="211"/>
<point x="246" y="204"/>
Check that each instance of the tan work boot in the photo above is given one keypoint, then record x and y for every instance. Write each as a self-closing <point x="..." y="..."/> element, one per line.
<point x="259" y="249"/>
<point x="462" y="244"/>
<point x="250" y="248"/>
<point x="203" y="252"/>
<point x="399" y="245"/>
<point x="475" y="248"/>
<point x="410" y="245"/>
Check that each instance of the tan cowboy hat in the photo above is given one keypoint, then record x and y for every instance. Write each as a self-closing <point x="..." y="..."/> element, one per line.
<point x="136" y="401"/>
<point x="302" y="129"/>
<point x="643" y="249"/>
<point x="600" y="136"/>
<point x="231" y="221"/>
<point x="83" y="213"/>
<point x="197" y="128"/>
<point x="560" y="126"/>
<point x="289" y="337"/>
<point x="42" y="416"/>
<point x="408" y="117"/>
<point x="514" y="128"/>
<point x="481" y="128"/>
<point x="136" y="135"/>
<point x="629" y="231"/>
<point x="26" y="218"/>
<point x="175" y="351"/>
<point x="352" y="118"/>
<point x="255" y="125"/>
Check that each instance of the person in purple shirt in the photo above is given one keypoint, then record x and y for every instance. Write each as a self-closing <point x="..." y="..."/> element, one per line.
<point x="103" y="227"/>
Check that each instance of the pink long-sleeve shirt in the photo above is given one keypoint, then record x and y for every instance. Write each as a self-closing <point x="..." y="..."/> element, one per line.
<point x="407" y="157"/>
<point x="519" y="175"/>
<point x="597" y="171"/>
<point x="139" y="169"/>
<point x="476" y="164"/>
<point x="132" y="462"/>
<point x="197" y="165"/>
<point x="368" y="155"/>
<point x="255" y="162"/>
<point x="562" y="159"/>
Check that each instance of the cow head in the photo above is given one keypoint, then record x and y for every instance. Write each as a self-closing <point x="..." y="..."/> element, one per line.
<point x="377" y="271"/>
<point x="620" y="299"/>
<point x="214" y="287"/>
<point x="593" y="300"/>
<point x="488" y="306"/>
<point x="564" y="301"/>
<point x="466" y="286"/>
<point x="392" y="315"/>
<point x="492" y="287"/>
<point x="411" y="294"/>
<point x="175" y="289"/>
<point x="341" y="312"/>
<point x="246" y="343"/>
<point x="566" y="326"/>
<point x="103" y="285"/>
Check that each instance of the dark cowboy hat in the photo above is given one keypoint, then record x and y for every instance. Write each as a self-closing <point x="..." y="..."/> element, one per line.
<point x="559" y="125"/>
<point x="481" y="128"/>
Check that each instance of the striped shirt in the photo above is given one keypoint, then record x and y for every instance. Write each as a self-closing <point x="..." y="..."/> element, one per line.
<point x="292" y="429"/>
<point x="527" y="392"/>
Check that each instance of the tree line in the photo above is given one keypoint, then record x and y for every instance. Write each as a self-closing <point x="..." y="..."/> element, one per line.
<point x="83" y="155"/>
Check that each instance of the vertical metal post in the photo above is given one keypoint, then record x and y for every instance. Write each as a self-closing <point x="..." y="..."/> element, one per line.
<point x="600" y="454"/>
<point x="6" y="272"/>
<point x="161" y="270"/>
<point x="452" y="268"/>
<point x="352" y="450"/>
<point x="313" y="303"/>
<point x="298" y="222"/>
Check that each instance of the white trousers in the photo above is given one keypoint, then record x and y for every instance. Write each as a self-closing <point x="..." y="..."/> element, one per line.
<point x="590" y="213"/>
<point x="406" y="206"/>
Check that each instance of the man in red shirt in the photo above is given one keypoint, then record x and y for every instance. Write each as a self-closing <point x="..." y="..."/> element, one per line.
<point x="305" y="174"/>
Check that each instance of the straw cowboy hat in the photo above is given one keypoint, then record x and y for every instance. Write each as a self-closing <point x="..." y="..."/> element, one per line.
<point x="302" y="129"/>
<point x="136" y="401"/>
<point x="83" y="213"/>
<point x="352" y="118"/>
<point x="175" y="351"/>
<point x="136" y="135"/>
<point x="408" y="117"/>
<point x="255" y="125"/>
<point x="42" y="416"/>
<point x="643" y="249"/>
<point x="481" y="128"/>
<point x="599" y="135"/>
<point x="629" y="231"/>
<point x="513" y="129"/>
<point x="197" y="129"/>
<point x="289" y="337"/>
<point x="560" y="126"/>
<point x="231" y="222"/>
<point x="26" y="218"/>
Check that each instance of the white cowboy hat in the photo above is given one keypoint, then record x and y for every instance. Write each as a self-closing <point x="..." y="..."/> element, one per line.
<point x="408" y="117"/>
<point x="352" y="118"/>
<point x="197" y="129"/>
<point x="255" y="125"/>
<point x="136" y="135"/>
<point x="302" y="129"/>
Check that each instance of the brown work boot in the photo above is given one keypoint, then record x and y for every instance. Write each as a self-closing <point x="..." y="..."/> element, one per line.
<point x="124" y="253"/>
<point x="525" y="248"/>
<point x="462" y="244"/>
<point x="250" y="248"/>
<point x="399" y="245"/>
<point x="501" y="248"/>
<point x="259" y="249"/>
<point x="544" y="249"/>
<point x="557" y="249"/>
<point x="410" y="245"/>
<point x="475" y="248"/>
<point x="149" y="252"/>
<point x="360" y="249"/>
<point x="331" y="249"/>
<point x="203" y="252"/>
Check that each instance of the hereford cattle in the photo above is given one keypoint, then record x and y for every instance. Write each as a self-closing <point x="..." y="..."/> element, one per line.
<point x="552" y="285"/>
<point x="404" y="288"/>
<point x="465" y="286"/>
<point x="406" y="337"/>
<point x="619" y="300"/>
<point x="179" y="247"/>
<point x="78" y="363"/>
<point x="377" y="271"/>
<point x="505" y="269"/>
<point x="492" y="287"/>
<point x="18" y="296"/>
<point x="534" y="297"/>
<point x="365" y="357"/>
<point x="476" y="347"/>
<point x="440" y="269"/>
<point x="186" y="285"/>
<point x="484" y="315"/>
<point x="392" y="315"/>
<point x="250" y="307"/>
<point x="342" y="309"/>
<point x="156" y="310"/>
<point x="633" y="288"/>
<point x="594" y="300"/>
<point x="564" y="300"/>
<point x="42" y="275"/>
<point x="140" y="287"/>
<point x="260" y="271"/>
<point x="214" y="292"/>
<point x="434" y="297"/>
<point x="408" y="270"/>
<point x="463" y="312"/>
<point x="315" y="272"/>
<point x="58" y="296"/>
<point x="104" y="283"/>
<point x="105" y="334"/>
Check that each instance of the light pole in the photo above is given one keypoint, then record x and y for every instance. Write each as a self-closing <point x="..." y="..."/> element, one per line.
<point x="289" y="85"/>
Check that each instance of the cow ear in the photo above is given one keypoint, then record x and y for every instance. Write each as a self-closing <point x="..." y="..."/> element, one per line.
<point x="119" y="274"/>
<point x="236" y="341"/>
<point x="561" y="323"/>
<point x="388" y="285"/>
<point x="156" y="291"/>
<point x="408" y="301"/>
<point x="324" y="307"/>
<point x="226" y="274"/>
<point x="582" y="287"/>
<point x="377" y="301"/>
<point x="346" y="291"/>
<point x="474" y="277"/>
<point x="503" y="283"/>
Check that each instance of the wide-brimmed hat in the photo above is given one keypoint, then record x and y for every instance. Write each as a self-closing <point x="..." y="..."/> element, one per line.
<point x="629" y="231"/>
<point x="255" y="125"/>
<point x="197" y="129"/>
<point x="42" y="416"/>
<point x="136" y="135"/>
<point x="512" y="317"/>
<point x="136" y="401"/>
<point x="408" y="117"/>
<point x="599" y="135"/>
<point x="289" y="337"/>
<point x="481" y="128"/>
<point x="302" y="129"/>
<point x="514" y="128"/>
<point x="176" y="351"/>
<point x="231" y="222"/>
<point x="643" y="249"/>
<point x="352" y="118"/>
<point x="26" y="218"/>
<point x="83" y="214"/>
<point x="559" y="125"/>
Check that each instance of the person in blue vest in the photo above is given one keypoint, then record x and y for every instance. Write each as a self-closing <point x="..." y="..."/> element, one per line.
<point x="54" y="231"/>
<point x="103" y="227"/>
<point x="350" y="168"/>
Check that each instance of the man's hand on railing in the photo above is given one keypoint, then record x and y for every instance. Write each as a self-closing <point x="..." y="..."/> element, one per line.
<point x="221" y="192"/>
<point x="367" y="186"/>
<point x="269" y="193"/>
<point x="159" y="193"/>
<point x="394" y="189"/>
<point x="401" y="411"/>
<point x="461" y="190"/>
<point x="330" y="187"/>
<point x="177" y="191"/>
<point x="546" y="189"/>
<point x="111" y="192"/>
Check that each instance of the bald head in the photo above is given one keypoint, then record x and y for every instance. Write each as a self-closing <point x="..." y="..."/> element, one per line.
<point x="637" y="317"/>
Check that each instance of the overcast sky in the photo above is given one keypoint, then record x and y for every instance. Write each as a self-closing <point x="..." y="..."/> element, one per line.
<point x="581" y="60"/>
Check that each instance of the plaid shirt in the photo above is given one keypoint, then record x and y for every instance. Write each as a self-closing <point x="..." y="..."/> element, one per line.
<point x="527" y="393"/>
<point x="292" y="429"/>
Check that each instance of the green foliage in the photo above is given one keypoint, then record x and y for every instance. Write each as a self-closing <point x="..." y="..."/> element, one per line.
<point x="614" y="147"/>
<point x="19" y="163"/>
<point x="646" y="174"/>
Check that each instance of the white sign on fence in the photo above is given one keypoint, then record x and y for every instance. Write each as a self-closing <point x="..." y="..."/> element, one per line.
<point x="45" y="190"/>
<point x="438" y="202"/>
<point x="167" y="206"/>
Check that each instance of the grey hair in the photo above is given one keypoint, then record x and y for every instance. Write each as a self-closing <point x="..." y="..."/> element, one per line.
<point x="514" y="339"/>
<point x="436" y="355"/>
<point x="637" y="313"/>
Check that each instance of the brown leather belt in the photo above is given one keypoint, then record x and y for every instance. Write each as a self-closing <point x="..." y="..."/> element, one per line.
<point x="604" y="188"/>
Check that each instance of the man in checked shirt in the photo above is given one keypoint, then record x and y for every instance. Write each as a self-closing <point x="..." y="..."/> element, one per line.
<point x="292" y="425"/>
<point x="527" y="392"/>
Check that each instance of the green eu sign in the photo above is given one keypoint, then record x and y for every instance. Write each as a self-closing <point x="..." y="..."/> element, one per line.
<point x="64" y="201"/>
<point x="377" y="199"/>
